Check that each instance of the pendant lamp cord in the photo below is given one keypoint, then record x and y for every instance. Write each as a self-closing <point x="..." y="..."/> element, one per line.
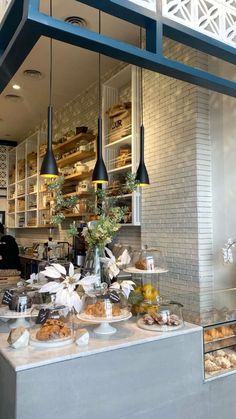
<point x="99" y="70"/>
<point x="141" y="79"/>
<point x="50" y="60"/>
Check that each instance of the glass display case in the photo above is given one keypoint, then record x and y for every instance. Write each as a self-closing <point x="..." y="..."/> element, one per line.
<point x="219" y="333"/>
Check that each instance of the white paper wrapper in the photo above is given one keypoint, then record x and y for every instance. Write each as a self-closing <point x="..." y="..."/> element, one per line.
<point x="22" y="341"/>
<point x="82" y="337"/>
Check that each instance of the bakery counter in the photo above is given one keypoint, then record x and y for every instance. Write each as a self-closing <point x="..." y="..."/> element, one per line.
<point x="128" y="334"/>
<point x="133" y="374"/>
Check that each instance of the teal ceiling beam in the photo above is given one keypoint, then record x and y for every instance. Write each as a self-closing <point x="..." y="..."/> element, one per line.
<point x="35" y="24"/>
<point x="10" y="22"/>
<point x="154" y="61"/>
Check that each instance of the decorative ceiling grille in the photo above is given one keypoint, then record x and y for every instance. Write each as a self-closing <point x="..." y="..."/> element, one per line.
<point x="215" y="18"/>
<point x="4" y="4"/>
<point x="147" y="4"/>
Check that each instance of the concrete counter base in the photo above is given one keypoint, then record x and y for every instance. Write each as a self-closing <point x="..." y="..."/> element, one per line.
<point x="150" y="377"/>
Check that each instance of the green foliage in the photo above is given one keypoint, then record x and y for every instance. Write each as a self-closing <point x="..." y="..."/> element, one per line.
<point x="60" y="203"/>
<point x="110" y="211"/>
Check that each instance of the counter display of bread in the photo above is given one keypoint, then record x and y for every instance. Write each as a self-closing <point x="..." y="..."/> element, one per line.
<point x="219" y="334"/>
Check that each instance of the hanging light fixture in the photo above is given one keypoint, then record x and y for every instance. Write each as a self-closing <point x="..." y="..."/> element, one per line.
<point x="142" y="177"/>
<point x="49" y="167"/>
<point x="99" y="172"/>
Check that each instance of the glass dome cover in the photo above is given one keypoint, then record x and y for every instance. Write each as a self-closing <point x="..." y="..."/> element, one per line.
<point x="105" y="303"/>
<point x="164" y="317"/>
<point x="149" y="260"/>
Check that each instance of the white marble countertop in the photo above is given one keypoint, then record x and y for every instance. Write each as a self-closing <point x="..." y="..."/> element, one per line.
<point x="128" y="334"/>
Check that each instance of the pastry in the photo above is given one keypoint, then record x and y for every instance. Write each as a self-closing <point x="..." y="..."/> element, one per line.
<point x="163" y="319"/>
<point x="148" y="319"/>
<point x="223" y="362"/>
<point x="209" y="357"/>
<point x="53" y="329"/>
<point x="141" y="264"/>
<point x="232" y="359"/>
<point x="225" y="331"/>
<point x="99" y="309"/>
<point x="220" y="353"/>
<point x="210" y="366"/>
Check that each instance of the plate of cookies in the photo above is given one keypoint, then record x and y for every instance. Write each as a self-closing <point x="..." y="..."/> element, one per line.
<point x="52" y="334"/>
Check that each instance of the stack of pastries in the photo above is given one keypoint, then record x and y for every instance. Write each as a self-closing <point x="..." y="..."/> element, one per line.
<point x="218" y="333"/>
<point x="219" y="361"/>
<point x="53" y="329"/>
<point x="99" y="309"/>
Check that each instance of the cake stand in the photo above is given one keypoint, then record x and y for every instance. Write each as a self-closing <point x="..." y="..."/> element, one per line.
<point x="104" y="327"/>
<point x="20" y="318"/>
<point x="133" y="270"/>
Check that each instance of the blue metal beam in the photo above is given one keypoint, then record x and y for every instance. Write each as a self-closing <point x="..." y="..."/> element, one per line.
<point x="35" y="24"/>
<point x="10" y="22"/>
<point x="87" y="39"/>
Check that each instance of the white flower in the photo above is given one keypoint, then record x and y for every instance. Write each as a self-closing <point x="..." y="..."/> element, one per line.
<point x="126" y="287"/>
<point x="124" y="259"/>
<point x="33" y="278"/>
<point x="65" y="290"/>
<point x="110" y="264"/>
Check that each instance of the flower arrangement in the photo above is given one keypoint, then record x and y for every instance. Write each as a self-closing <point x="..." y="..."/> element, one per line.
<point x="70" y="289"/>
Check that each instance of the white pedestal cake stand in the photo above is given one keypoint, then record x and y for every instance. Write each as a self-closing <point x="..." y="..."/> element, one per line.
<point x="104" y="327"/>
<point x="20" y="318"/>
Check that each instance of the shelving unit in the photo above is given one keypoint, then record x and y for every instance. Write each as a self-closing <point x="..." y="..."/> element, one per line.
<point x="123" y="87"/>
<point x="29" y="201"/>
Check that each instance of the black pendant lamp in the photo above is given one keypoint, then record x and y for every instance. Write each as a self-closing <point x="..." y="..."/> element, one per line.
<point x="142" y="177"/>
<point x="99" y="172"/>
<point x="49" y="167"/>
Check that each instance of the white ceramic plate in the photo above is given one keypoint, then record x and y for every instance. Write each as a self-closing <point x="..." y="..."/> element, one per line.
<point x="133" y="270"/>
<point x="54" y="343"/>
<point x="125" y="315"/>
<point x="6" y="313"/>
<point x="157" y="327"/>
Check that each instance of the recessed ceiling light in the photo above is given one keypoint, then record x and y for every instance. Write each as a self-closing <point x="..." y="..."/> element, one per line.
<point x="33" y="74"/>
<point x="14" y="98"/>
<point x="76" y="20"/>
<point x="16" y="86"/>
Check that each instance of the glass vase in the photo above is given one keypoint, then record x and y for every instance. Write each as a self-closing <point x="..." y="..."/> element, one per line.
<point x="93" y="264"/>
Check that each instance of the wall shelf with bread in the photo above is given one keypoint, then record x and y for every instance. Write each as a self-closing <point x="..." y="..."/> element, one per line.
<point x="120" y="135"/>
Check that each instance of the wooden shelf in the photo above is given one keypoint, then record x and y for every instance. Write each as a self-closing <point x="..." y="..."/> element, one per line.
<point x="76" y="176"/>
<point x="73" y="158"/>
<point x="120" y="169"/>
<point x="76" y="215"/>
<point x="67" y="195"/>
<point x="127" y="195"/>
<point x="124" y="140"/>
<point x="32" y="176"/>
<point x="70" y="144"/>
